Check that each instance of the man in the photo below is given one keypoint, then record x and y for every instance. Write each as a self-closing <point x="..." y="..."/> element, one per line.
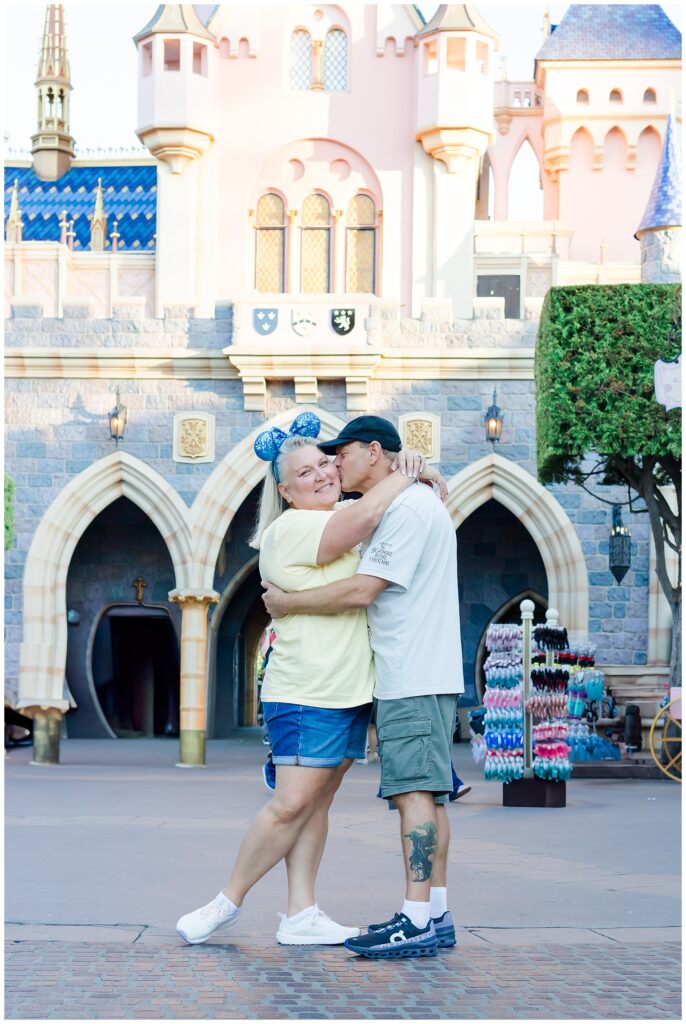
<point x="407" y="579"/>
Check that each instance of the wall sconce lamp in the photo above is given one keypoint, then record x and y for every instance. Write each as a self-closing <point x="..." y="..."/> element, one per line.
<point x="117" y="420"/>
<point x="620" y="545"/>
<point x="493" y="421"/>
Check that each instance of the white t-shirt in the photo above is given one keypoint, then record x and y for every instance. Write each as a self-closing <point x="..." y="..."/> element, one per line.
<point x="414" y="623"/>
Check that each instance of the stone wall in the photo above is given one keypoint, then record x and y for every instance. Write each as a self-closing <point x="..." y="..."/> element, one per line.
<point x="58" y="427"/>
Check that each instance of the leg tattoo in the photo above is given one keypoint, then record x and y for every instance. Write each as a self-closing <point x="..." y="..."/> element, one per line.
<point x="423" y="845"/>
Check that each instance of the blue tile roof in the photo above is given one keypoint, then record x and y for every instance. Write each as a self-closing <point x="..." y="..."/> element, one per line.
<point x="129" y="197"/>
<point x="664" y="205"/>
<point x="613" y="32"/>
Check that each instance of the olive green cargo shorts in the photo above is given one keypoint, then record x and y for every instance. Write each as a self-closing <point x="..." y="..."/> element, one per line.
<point x="415" y="744"/>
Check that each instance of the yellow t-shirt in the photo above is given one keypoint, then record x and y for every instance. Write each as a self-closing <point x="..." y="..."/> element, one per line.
<point x="323" y="661"/>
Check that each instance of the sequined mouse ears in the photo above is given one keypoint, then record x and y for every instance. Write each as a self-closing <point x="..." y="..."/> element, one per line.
<point x="268" y="444"/>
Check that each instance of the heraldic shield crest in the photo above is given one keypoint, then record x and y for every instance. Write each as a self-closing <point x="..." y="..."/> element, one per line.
<point x="264" y="320"/>
<point x="342" y="320"/>
<point x="303" y="320"/>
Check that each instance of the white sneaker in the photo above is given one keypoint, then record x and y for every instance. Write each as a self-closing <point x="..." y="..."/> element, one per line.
<point x="199" y="925"/>
<point x="316" y="929"/>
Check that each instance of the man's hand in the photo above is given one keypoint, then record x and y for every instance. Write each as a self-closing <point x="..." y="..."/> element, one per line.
<point x="275" y="600"/>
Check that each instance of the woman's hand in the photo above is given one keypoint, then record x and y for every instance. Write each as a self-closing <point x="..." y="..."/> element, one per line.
<point x="431" y="475"/>
<point x="410" y="463"/>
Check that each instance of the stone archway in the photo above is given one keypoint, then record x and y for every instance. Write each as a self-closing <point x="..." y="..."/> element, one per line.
<point x="495" y="477"/>
<point x="230" y="484"/>
<point x="43" y="649"/>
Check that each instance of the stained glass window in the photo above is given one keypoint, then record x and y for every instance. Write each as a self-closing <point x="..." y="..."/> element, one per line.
<point x="270" y="244"/>
<point x="315" y="244"/>
<point x="301" y="59"/>
<point x="336" y="61"/>
<point x="360" y="252"/>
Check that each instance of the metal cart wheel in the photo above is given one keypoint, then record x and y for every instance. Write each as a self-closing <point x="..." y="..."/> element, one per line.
<point x="667" y="751"/>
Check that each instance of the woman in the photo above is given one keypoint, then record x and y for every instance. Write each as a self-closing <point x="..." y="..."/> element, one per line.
<point x="318" y="686"/>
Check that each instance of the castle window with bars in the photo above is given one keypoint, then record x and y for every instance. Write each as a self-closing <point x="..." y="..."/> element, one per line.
<point x="360" y="249"/>
<point x="336" y="61"/>
<point x="301" y="60"/>
<point x="270" y="237"/>
<point x="315" y="246"/>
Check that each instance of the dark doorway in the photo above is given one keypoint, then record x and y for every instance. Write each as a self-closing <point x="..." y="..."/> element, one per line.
<point x="136" y="671"/>
<point x="497" y="561"/>
<point x="505" y="286"/>
<point x="238" y="637"/>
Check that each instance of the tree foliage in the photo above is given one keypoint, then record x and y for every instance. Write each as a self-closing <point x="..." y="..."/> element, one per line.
<point x="597" y="415"/>
<point x="595" y="356"/>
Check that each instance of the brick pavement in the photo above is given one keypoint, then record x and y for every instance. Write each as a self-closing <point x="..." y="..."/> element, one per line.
<point x="79" y="980"/>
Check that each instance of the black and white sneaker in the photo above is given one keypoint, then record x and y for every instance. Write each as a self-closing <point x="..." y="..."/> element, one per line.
<point x="398" y="938"/>
<point x="445" y="929"/>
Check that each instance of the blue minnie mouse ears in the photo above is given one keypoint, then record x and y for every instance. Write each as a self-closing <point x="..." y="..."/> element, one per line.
<point x="268" y="444"/>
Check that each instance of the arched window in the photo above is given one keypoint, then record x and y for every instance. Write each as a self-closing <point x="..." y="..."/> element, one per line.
<point x="616" y="96"/>
<point x="315" y="244"/>
<point x="525" y="196"/>
<point x="582" y="96"/>
<point x="360" y="249"/>
<point x="270" y="231"/>
<point x="336" y="61"/>
<point x="649" y="96"/>
<point x="614" y="150"/>
<point x="301" y="59"/>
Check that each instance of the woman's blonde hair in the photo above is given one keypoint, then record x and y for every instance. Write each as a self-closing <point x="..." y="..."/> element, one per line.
<point x="272" y="504"/>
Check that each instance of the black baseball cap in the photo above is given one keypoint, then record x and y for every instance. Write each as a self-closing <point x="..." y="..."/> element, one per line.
<point x="367" y="429"/>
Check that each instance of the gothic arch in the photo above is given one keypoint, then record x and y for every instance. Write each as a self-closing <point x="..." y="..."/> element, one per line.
<point x="43" y="649"/>
<point x="226" y="489"/>
<point x="494" y="477"/>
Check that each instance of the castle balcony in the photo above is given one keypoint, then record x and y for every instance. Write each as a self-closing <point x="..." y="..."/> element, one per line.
<point x="48" y="279"/>
<point x="524" y="96"/>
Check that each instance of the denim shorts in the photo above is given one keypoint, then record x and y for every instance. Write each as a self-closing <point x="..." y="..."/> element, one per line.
<point x="316" y="737"/>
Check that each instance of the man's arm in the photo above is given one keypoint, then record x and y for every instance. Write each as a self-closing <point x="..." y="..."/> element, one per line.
<point x="357" y="591"/>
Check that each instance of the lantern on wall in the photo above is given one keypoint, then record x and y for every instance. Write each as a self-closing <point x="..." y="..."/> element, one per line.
<point x="117" y="420"/>
<point x="620" y="545"/>
<point x="493" y="421"/>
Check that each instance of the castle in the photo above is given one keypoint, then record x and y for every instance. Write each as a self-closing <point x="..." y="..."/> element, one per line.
<point x="318" y="219"/>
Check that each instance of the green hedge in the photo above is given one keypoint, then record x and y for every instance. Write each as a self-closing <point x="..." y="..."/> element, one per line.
<point x="9" y="512"/>
<point x="595" y="356"/>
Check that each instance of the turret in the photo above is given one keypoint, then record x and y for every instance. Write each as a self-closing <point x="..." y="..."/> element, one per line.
<point x="455" y="70"/>
<point x="660" y="229"/>
<point x="176" y="85"/>
<point x="52" y="145"/>
<point x="455" y="85"/>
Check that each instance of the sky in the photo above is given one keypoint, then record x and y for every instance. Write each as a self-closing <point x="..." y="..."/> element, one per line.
<point x="104" y="70"/>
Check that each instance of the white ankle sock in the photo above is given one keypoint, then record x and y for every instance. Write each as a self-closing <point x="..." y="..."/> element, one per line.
<point x="418" y="913"/>
<point x="438" y="900"/>
<point x="302" y="915"/>
<point x="225" y="904"/>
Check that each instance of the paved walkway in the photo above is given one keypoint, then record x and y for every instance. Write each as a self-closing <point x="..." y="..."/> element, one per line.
<point x="563" y="914"/>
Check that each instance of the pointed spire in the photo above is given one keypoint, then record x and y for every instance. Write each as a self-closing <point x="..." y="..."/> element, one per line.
<point x="53" y="61"/>
<point x="664" y="204"/>
<point x="53" y="146"/>
<point x="14" y="224"/>
<point x="98" y="222"/>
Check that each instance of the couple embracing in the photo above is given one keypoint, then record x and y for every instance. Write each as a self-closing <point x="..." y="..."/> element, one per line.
<point x="365" y="599"/>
